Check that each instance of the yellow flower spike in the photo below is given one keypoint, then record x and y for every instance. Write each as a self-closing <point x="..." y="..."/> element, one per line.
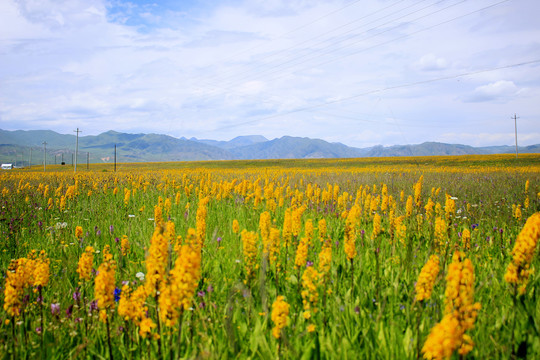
<point x="517" y="272"/>
<point x="235" y="226"/>
<point x="310" y="292"/>
<point x="460" y="312"/>
<point x="78" y="232"/>
<point x="427" y="278"/>
<point x="249" y="244"/>
<point x="85" y="264"/>
<point x="104" y="285"/>
<point x="280" y="316"/>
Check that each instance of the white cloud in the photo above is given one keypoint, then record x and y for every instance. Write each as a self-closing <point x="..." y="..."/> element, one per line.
<point x="431" y="62"/>
<point x="501" y="91"/>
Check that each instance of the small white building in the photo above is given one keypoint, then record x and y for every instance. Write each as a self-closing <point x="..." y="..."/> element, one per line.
<point x="7" y="166"/>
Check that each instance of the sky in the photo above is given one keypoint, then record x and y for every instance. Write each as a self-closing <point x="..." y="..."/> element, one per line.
<point x="359" y="72"/>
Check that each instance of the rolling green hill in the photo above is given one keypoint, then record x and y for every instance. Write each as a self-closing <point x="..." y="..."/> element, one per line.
<point x="15" y="147"/>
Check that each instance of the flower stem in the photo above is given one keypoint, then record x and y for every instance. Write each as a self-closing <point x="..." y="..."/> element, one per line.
<point x="109" y="338"/>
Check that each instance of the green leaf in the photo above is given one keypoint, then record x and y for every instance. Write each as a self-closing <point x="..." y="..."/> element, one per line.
<point x="293" y="279"/>
<point x="407" y="341"/>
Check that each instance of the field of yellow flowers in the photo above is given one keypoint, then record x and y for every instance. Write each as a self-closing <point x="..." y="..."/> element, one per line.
<point x="399" y="258"/>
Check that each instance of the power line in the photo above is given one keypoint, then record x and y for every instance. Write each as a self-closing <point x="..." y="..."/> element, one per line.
<point x="317" y="53"/>
<point x="339" y="34"/>
<point x="292" y="31"/>
<point x="380" y="90"/>
<point x="386" y="42"/>
<point x="281" y="74"/>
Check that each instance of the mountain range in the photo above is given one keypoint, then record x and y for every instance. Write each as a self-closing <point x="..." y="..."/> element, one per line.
<point x="16" y="147"/>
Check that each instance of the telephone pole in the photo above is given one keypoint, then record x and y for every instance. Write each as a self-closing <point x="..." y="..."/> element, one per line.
<point x="515" y="127"/>
<point x="76" y="149"/>
<point x="44" y="155"/>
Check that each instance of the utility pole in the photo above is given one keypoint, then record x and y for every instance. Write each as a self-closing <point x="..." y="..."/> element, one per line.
<point x="87" y="160"/>
<point x="114" y="157"/>
<point x="44" y="155"/>
<point x="76" y="149"/>
<point x="515" y="127"/>
<point x="30" y="161"/>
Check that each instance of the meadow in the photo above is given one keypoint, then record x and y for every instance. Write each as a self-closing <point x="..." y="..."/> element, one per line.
<point x="393" y="258"/>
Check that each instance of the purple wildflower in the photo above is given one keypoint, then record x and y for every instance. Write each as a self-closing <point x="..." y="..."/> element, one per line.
<point x="69" y="311"/>
<point x="77" y="295"/>
<point x="93" y="306"/>
<point x="55" y="309"/>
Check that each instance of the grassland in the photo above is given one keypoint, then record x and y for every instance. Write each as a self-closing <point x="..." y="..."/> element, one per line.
<point x="343" y="241"/>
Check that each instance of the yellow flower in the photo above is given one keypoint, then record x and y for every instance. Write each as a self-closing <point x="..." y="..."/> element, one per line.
<point x="322" y="230"/>
<point x="376" y="226"/>
<point x="78" y="232"/>
<point x="350" y="232"/>
<point x="105" y="284"/>
<point x="186" y="274"/>
<point x="249" y="242"/>
<point x="265" y="223"/>
<point x="308" y="231"/>
<point x="301" y="253"/>
<point x="311" y="328"/>
<point x="460" y="312"/>
<point x="449" y="207"/>
<point x="156" y="262"/>
<point x="124" y="244"/>
<point x="127" y="195"/>
<point x="310" y="293"/>
<point x="297" y="220"/>
<point x="418" y="191"/>
<point x="280" y="316"/>
<point x="41" y="271"/>
<point x="85" y="263"/>
<point x="518" y="270"/>
<point x="274" y="245"/>
<point x="466" y="239"/>
<point x="235" y="226"/>
<point x="158" y="216"/>
<point x="325" y="261"/>
<point x="287" y="227"/>
<point x="409" y="206"/>
<point x="17" y="277"/>
<point x="146" y="326"/>
<point x="440" y="234"/>
<point x="202" y="212"/>
<point x="426" y="279"/>
<point x="429" y="209"/>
